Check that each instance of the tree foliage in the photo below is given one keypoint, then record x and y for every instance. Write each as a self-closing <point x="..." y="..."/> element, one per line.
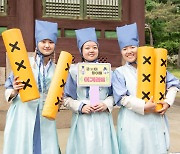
<point x="163" y="16"/>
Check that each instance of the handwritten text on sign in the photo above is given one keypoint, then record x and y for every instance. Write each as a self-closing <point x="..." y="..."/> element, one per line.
<point x="98" y="74"/>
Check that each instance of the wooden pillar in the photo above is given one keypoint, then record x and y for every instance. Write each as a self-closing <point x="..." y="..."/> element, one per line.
<point x="125" y="11"/>
<point x="38" y="9"/>
<point x="137" y="14"/>
<point x="25" y="20"/>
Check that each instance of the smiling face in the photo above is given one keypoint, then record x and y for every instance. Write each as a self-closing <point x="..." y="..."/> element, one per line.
<point x="90" y="51"/>
<point x="129" y="53"/>
<point x="46" y="47"/>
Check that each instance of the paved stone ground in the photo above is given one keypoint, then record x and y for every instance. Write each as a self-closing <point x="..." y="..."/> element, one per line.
<point x="174" y="122"/>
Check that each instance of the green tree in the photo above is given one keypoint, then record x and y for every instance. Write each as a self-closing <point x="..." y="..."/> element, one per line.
<point x="163" y="16"/>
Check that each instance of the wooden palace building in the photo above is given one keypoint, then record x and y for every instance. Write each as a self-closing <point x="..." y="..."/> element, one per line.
<point x="104" y="15"/>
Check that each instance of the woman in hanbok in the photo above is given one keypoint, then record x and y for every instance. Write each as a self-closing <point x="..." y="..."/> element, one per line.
<point x="92" y="130"/>
<point x="140" y="130"/>
<point x="26" y="130"/>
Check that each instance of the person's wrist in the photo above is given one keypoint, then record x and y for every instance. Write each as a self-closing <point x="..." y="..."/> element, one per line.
<point x="168" y="106"/>
<point x="14" y="93"/>
<point x="82" y="108"/>
<point x="145" y="107"/>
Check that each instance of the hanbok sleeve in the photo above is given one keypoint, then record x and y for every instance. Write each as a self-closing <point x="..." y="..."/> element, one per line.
<point x="172" y="81"/>
<point x="171" y="95"/>
<point x="172" y="86"/>
<point x="122" y="96"/>
<point x="70" y="88"/>
<point x="119" y="87"/>
<point x="9" y="81"/>
<point x="73" y="105"/>
<point x="109" y="101"/>
<point x="9" y="88"/>
<point x="70" y="100"/>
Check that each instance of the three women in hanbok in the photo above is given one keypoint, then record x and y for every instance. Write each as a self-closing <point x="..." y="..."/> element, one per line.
<point x="26" y="130"/>
<point x="92" y="130"/>
<point x="139" y="129"/>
